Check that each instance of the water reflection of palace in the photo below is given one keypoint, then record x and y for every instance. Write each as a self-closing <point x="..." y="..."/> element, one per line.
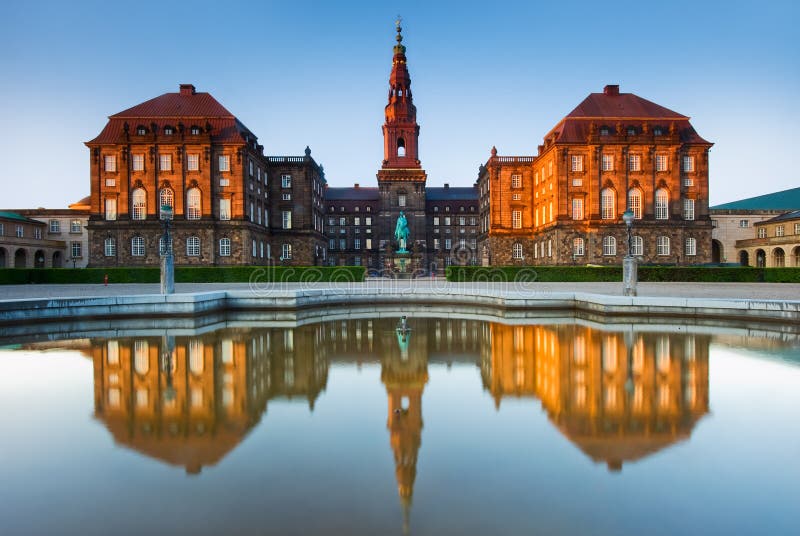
<point x="188" y="401"/>
<point x="617" y="396"/>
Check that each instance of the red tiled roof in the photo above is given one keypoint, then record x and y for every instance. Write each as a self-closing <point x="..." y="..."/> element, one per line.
<point x="176" y="105"/>
<point x="604" y="109"/>
<point x="622" y="106"/>
<point x="171" y="108"/>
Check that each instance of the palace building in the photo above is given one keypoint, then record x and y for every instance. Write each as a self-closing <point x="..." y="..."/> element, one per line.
<point x="232" y="204"/>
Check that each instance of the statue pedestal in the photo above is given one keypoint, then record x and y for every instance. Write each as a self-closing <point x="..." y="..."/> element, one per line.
<point x="402" y="265"/>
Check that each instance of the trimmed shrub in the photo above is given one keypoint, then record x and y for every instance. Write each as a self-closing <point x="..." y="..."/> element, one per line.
<point x="200" y="274"/>
<point x="704" y="274"/>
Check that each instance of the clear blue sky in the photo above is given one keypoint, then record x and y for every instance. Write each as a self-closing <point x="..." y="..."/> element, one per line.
<point x="316" y="73"/>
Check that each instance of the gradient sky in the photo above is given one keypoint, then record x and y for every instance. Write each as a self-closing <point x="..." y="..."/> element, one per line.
<point x="316" y="73"/>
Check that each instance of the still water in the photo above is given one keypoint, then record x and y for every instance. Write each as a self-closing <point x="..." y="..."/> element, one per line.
<point x="359" y="427"/>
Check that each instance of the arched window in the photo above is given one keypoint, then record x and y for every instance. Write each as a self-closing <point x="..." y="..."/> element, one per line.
<point x="193" y="246"/>
<point x="662" y="204"/>
<point x="662" y="245"/>
<point x="635" y="202"/>
<point x="224" y="247"/>
<point x="401" y="147"/>
<point x="516" y="250"/>
<point x="193" y="204"/>
<point x="137" y="246"/>
<point x="608" y="204"/>
<point x="110" y="247"/>
<point x="139" y="204"/>
<point x="609" y="245"/>
<point x="578" y="247"/>
<point x="637" y="245"/>
<point x="165" y="198"/>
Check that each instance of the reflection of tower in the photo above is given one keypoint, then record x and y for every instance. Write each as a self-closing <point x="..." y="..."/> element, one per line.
<point x="404" y="373"/>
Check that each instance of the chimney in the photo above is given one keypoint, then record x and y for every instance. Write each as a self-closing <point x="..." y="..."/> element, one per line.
<point x="187" y="89"/>
<point x="447" y="185"/>
<point x="356" y="185"/>
<point x="611" y="89"/>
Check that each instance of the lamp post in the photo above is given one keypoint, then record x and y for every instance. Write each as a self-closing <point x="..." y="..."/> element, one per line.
<point x="630" y="274"/>
<point x="167" y="261"/>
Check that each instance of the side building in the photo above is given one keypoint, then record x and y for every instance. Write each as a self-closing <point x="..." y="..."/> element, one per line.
<point x="614" y="152"/>
<point x="187" y="152"/>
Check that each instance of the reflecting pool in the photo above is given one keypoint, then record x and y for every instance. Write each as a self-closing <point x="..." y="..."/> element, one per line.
<point x="373" y="426"/>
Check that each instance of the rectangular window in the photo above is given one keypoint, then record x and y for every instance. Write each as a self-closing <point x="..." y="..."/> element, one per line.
<point x="368" y="243"/>
<point x="224" y="162"/>
<point x="165" y="162"/>
<point x="252" y="169"/>
<point x="401" y="200"/>
<point x="762" y="232"/>
<point x="661" y="162"/>
<point x="437" y="244"/>
<point x="286" y="181"/>
<point x="193" y="162"/>
<point x="688" y="163"/>
<point x="779" y="230"/>
<point x="110" y="247"/>
<point x="255" y="248"/>
<point x="436" y="220"/>
<point x="110" y="163"/>
<point x="688" y="181"/>
<point x="516" y="181"/>
<point x="447" y="220"/>
<point x="286" y="196"/>
<point x="577" y="182"/>
<point x="225" y="209"/>
<point x="516" y="219"/>
<point x="331" y="244"/>
<point x="577" y="162"/>
<point x="20" y="231"/>
<point x="357" y="243"/>
<point x="368" y="220"/>
<point x="2" y="229"/>
<point x="75" y="226"/>
<point x="224" y="247"/>
<point x="138" y="162"/>
<point x="608" y="162"/>
<point x="111" y="209"/>
<point x="342" y="243"/>
<point x="744" y="223"/>
<point x="343" y="221"/>
<point x="252" y="215"/>
<point x="462" y="220"/>
<point x="287" y="219"/>
<point x="796" y="229"/>
<point x="37" y="233"/>
<point x="111" y="182"/>
<point x="55" y="226"/>
<point x="578" y="248"/>
<point x="577" y="209"/>
<point x="76" y="250"/>
<point x="688" y="209"/>
<point x="634" y="162"/>
<point x="691" y="247"/>
<point x="448" y="244"/>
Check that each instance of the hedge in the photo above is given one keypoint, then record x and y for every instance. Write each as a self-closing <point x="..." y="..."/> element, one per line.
<point x="200" y="274"/>
<point x="506" y="274"/>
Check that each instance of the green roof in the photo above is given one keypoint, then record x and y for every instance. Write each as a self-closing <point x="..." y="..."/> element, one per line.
<point x="14" y="216"/>
<point x="785" y="200"/>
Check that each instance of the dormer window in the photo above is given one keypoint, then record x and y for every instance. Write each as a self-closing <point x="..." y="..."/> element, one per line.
<point x="631" y="131"/>
<point x="169" y="131"/>
<point x="658" y="132"/>
<point x="141" y="131"/>
<point x="604" y="131"/>
<point x="436" y="209"/>
<point x="195" y="131"/>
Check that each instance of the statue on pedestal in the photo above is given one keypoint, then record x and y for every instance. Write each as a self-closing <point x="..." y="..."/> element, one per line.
<point x="401" y="233"/>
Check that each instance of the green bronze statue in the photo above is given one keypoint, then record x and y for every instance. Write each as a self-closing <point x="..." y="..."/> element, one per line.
<point x="401" y="233"/>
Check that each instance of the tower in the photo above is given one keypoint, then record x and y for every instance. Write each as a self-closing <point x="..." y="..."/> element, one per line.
<point x="401" y="179"/>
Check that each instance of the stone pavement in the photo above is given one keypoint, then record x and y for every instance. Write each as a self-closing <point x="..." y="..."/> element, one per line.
<point x="752" y="291"/>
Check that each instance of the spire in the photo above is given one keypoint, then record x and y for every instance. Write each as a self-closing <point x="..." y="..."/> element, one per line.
<point x="400" y="130"/>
